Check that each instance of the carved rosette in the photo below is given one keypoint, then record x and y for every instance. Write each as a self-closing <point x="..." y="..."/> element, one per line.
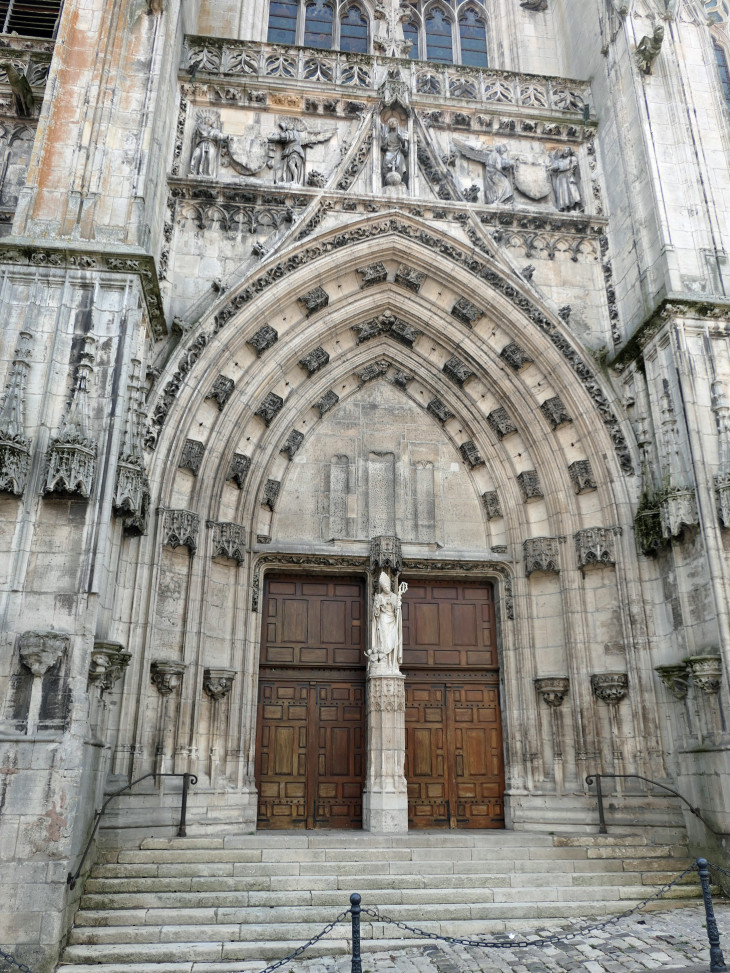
<point x="14" y="447"/>
<point x="610" y="687"/>
<point x="228" y="540"/>
<point x="108" y="662"/>
<point x="167" y="676"/>
<point x="678" y="511"/>
<point x="218" y="683"/>
<point x="180" y="529"/>
<point x="40" y="651"/>
<point x="595" y="545"/>
<point x="553" y="689"/>
<point x="675" y="677"/>
<point x="386" y="694"/>
<point x="386" y="554"/>
<point x="541" y="554"/>
<point x="706" y="672"/>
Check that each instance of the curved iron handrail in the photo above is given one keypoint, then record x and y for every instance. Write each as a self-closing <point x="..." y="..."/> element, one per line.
<point x="655" y="783"/>
<point x="188" y="779"/>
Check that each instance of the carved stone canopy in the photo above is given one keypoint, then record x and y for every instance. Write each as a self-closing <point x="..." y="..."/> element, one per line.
<point x="541" y="554"/>
<point x="180" y="529"/>
<point x="270" y="494"/>
<point x="595" y="545"/>
<point x="328" y="401"/>
<point x="240" y="465"/>
<point x="221" y="390"/>
<point x="108" y="662"/>
<point x="582" y="476"/>
<point x="315" y="300"/>
<point x="386" y="553"/>
<point x="293" y="441"/>
<point x="555" y="412"/>
<point x="457" y="371"/>
<point x="437" y="408"/>
<point x="706" y="672"/>
<point x="529" y="484"/>
<point x="611" y="687"/>
<point x="410" y="278"/>
<point x="500" y="422"/>
<point x="375" y="273"/>
<point x="40" y="651"/>
<point x="492" y="506"/>
<point x="228" y="540"/>
<point x="675" y="677"/>
<point x="270" y="407"/>
<point x="470" y="454"/>
<point x="553" y="689"/>
<point x="515" y="356"/>
<point x="466" y="312"/>
<point x="192" y="456"/>
<point x="316" y="359"/>
<point x="263" y="339"/>
<point x="678" y="511"/>
<point x="167" y="676"/>
<point x="218" y="683"/>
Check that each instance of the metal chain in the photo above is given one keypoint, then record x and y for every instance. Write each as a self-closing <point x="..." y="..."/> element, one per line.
<point x="14" y="962"/>
<point x="544" y="941"/>
<point x="275" y="966"/>
<point x="719" y="868"/>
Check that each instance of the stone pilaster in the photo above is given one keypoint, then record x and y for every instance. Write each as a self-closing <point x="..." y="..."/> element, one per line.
<point x="385" y="799"/>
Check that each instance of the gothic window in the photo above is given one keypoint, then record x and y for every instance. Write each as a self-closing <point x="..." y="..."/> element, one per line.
<point x="282" y="22"/>
<point x="722" y="69"/>
<point x="717" y="10"/>
<point x="438" y="37"/>
<point x="410" y="32"/>
<point x="318" y="25"/>
<point x="30" y="18"/>
<point x="354" y="31"/>
<point x="473" y="35"/>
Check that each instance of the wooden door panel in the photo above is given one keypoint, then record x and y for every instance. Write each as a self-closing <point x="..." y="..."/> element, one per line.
<point x="449" y="625"/>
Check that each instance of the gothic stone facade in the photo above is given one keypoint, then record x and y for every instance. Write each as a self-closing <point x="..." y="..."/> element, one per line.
<point x="262" y="303"/>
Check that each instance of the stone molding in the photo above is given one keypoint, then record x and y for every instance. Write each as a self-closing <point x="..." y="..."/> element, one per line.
<point x="553" y="689"/>
<point x="610" y="687"/>
<point x="459" y="568"/>
<point x="218" y="683"/>
<point x="228" y="540"/>
<point x="386" y="554"/>
<point x="595" y="545"/>
<point x="180" y="529"/>
<point x="675" y="677"/>
<point x="541" y="554"/>
<point x="706" y="672"/>
<point x="167" y="676"/>
<point x="40" y="651"/>
<point x="108" y="662"/>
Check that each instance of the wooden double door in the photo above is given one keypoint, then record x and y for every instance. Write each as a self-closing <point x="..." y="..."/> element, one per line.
<point x="310" y="747"/>
<point x="454" y="761"/>
<point x="311" y="734"/>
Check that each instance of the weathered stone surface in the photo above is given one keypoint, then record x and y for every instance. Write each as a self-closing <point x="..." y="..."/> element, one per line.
<point x="500" y="422"/>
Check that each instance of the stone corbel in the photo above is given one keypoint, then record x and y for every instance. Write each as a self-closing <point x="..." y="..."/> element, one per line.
<point x="218" y="683"/>
<point x="541" y="554"/>
<point x="108" y="662"/>
<point x="675" y="677"/>
<point x="39" y="652"/>
<point x="229" y="540"/>
<point x="678" y="511"/>
<point x="595" y="545"/>
<point x="706" y="672"/>
<point x="553" y="689"/>
<point x="610" y="687"/>
<point x="180" y="529"/>
<point x="386" y="554"/>
<point x="167" y="676"/>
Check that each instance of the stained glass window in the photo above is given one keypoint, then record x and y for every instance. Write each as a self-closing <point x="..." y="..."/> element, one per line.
<point x="410" y="32"/>
<point x="473" y="39"/>
<point x="438" y="37"/>
<point x="723" y="70"/>
<point x="318" y="25"/>
<point x="282" y="22"/>
<point x="354" y="32"/>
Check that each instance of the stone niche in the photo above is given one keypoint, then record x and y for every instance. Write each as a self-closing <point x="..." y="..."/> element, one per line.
<point x="380" y="464"/>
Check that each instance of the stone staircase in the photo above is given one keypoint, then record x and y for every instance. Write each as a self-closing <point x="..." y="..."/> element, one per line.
<point x="229" y="899"/>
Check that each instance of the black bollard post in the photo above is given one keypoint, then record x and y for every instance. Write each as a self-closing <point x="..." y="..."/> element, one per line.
<point x="356" y="966"/>
<point x="717" y="960"/>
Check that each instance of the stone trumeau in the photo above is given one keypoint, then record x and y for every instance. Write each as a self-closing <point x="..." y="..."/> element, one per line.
<point x="475" y="307"/>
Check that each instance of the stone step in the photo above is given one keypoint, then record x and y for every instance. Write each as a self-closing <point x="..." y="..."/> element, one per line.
<point x="351" y="839"/>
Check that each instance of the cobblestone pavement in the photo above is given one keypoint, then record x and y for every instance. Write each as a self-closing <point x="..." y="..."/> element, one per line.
<point x="658" y="940"/>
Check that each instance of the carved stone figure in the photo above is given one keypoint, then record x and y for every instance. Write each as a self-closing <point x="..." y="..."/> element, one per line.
<point x="23" y="100"/>
<point x="394" y="146"/>
<point x="386" y="653"/>
<point x="564" y="165"/>
<point x="497" y="165"/>
<point x="647" y="50"/>
<point x="208" y="138"/>
<point x="294" y="138"/>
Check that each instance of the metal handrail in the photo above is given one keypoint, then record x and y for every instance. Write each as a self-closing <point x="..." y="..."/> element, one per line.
<point x="599" y="794"/>
<point x="188" y="779"/>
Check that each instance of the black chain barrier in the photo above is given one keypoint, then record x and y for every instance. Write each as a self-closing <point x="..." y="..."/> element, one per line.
<point x="701" y="866"/>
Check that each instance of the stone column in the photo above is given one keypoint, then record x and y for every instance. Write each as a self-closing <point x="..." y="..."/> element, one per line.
<point x="385" y="797"/>
<point x="553" y="690"/>
<point x="40" y="651"/>
<point x="167" y="678"/>
<point x="217" y="684"/>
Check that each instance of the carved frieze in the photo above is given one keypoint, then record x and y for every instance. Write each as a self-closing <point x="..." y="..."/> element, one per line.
<point x="470" y="454"/>
<point x="315" y="360"/>
<point x="386" y="695"/>
<point x="457" y="371"/>
<point x="227" y="540"/>
<point x="706" y="672"/>
<point x="466" y="312"/>
<point x="218" y="683"/>
<point x="529" y="483"/>
<point x="240" y="465"/>
<point x="71" y="457"/>
<point x="610" y="687"/>
<point x="595" y="545"/>
<point x="500" y="422"/>
<point x="293" y="441"/>
<point x="437" y="408"/>
<point x="555" y="412"/>
<point x="410" y="278"/>
<point x="270" y="407"/>
<point x="386" y="554"/>
<point x="553" y="689"/>
<point x="14" y="447"/>
<point x="270" y="494"/>
<point x="541" y="554"/>
<point x="515" y="356"/>
<point x="375" y="273"/>
<point x="328" y="401"/>
<point x="675" y="677"/>
<point x="108" y="662"/>
<point x="167" y="676"/>
<point x="221" y="391"/>
<point x="192" y="456"/>
<point x="180" y="529"/>
<point x="581" y="476"/>
<point x="314" y="300"/>
<point x="492" y="506"/>
<point x="263" y="339"/>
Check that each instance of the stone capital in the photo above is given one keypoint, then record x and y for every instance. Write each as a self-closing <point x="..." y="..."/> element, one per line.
<point x="218" y="683"/>
<point x="553" y="689"/>
<point x="108" y="662"/>
<point x="675" y="677"/>
<point x="39" y="651"/>
<point x="611" y="687"/>
<point x="706" y="672"/>
<point x="167" y="676"/>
